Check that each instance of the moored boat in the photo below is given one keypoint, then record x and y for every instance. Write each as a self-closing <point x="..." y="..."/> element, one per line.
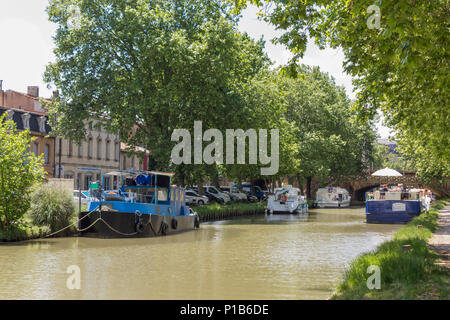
<point x="395" y="205"/>
<point x="287" y="200"/>
<point x="332" y="197"/>
<point x="146" y="205"/>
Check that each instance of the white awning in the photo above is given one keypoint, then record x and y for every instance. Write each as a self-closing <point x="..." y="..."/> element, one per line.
<point x="386" y="172"/>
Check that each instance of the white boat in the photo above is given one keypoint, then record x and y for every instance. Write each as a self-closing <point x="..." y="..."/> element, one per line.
<point x="332" y="197"/>
<point x="287" y="199"/>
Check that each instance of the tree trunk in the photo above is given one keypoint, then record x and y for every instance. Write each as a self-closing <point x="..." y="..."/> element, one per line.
<point x="215" y="181"/>
<point x="201" y="191"/>
<point x="299" y="182"/>
<point x="308" y="187"/>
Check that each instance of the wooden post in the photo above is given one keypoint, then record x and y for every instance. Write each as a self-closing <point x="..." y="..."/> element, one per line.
<point x="79" y="201"/>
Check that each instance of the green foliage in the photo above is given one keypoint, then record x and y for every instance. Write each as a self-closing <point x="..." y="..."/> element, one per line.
<point x="404" y="274"/>
<point x="400" y="68"/>
<point x="319" y="136"/>
<point x="151" y="66"/>
<point x="384" y="158"/>
<point x="52" y="206"/>
<point x="332" y="145"/>
<point x="20" y="171"/>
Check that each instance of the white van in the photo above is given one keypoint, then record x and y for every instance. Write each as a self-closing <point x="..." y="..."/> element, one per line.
<point x="240" y="196"/>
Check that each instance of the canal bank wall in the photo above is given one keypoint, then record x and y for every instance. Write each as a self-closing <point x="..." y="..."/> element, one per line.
<point x="229" y="214"/>
<point x="405" y="267"/>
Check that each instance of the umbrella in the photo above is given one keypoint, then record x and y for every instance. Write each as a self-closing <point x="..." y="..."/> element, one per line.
<point x="386" y="172"/>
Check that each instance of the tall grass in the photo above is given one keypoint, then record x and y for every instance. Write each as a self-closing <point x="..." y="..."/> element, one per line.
<point x="52" y="206"/>
<point x="406" y="272"/>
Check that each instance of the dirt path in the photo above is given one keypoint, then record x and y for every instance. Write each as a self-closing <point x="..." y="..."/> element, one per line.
<point x="441" y="238"/>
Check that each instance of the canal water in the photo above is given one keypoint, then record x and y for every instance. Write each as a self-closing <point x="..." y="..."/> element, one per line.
<point x="259" y="257"/>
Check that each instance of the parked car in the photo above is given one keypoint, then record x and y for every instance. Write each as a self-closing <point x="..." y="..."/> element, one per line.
<point x="193" y="197"/>
<point x="258" y="191"/>
<point x="217" y="195"/>
<point x="84" y="197"/>
<point x="234" y="193"/>
<point x="211" y="197"/>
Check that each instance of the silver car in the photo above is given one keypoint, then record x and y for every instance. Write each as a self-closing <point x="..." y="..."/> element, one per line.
<point x="193" y="197"/>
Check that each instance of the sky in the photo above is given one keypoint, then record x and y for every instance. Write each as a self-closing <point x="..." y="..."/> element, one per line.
<point x="26" y="47"/>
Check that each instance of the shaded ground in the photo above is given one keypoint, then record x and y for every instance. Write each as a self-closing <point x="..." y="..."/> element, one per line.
<point x="440" y="241"/>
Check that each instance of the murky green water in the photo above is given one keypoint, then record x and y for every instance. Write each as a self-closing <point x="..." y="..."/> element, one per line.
<point x="273" y="257"/>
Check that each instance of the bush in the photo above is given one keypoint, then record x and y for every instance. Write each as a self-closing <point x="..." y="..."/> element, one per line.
<point x="52" y="206"/>
<point x="20" y="171"/>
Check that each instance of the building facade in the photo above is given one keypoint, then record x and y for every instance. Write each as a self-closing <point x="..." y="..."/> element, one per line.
<point x="39" y="128"/>
<point x="136" y="158"/>
<point x="100" y="151"/>
<point x="83" y="162"/>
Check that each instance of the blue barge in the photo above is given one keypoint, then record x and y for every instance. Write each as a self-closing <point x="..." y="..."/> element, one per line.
<point x="145" y="206"/>
<point x="392" y="207"/>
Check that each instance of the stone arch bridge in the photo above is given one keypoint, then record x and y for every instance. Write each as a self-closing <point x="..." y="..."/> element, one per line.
<point x="359" y="187"/>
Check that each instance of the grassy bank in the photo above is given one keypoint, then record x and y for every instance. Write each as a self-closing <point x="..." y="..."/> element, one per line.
<point x="216" y="211"/>
<point x="26" y="230"/>
<point x="406" y="272"/>
<point x="22" y="231"/>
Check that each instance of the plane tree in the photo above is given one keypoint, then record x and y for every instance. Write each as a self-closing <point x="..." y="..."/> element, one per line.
<point x="397" y="54"/>
<point x="147" y="67"/>
<point x="332" y="145"/>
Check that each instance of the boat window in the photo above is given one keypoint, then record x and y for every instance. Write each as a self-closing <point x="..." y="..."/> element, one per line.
<point x="144" y="195"/>
<point x="162" y="194"/>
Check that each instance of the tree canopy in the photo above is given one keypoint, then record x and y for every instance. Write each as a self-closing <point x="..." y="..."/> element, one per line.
<point x="147" y="67"/>
<point x="400" y="67"/>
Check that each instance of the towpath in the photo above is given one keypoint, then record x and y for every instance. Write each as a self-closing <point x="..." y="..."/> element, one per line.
<point x="441" y="238"/>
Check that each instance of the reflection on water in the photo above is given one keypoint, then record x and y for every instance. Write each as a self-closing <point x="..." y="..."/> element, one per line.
<point x="262" y="257"/>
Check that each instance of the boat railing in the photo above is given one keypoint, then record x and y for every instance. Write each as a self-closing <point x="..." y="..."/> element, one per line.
<point x="393" y="195"/>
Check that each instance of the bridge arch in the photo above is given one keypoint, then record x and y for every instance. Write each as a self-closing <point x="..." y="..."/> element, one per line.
<point x="360" y="194"/>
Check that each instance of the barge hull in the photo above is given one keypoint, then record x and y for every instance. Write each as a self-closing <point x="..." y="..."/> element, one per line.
<point x="130" y="225"/>
<point x="392" y="211"/>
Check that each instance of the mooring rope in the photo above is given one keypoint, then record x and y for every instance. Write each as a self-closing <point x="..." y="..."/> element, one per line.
<point x="78" y="220"/>
<point x="151" y="226"/>
<point x="117" y="231"/>
<point x="93" y="223"/>
<point x="81" y="230"/>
